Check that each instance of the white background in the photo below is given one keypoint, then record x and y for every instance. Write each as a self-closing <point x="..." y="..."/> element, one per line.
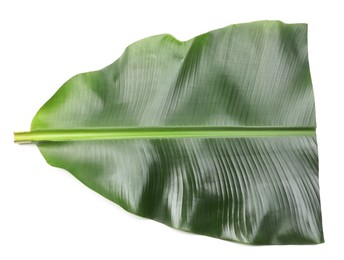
<point x="47" y="214"/>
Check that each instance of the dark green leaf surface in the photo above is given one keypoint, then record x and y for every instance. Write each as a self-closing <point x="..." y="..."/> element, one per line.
<point x="252" y="174"/>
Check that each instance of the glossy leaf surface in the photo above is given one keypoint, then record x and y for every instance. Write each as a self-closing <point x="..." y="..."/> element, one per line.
<point x="215" y="135"/>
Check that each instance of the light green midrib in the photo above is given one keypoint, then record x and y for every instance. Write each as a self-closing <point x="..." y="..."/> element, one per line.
<point x="158" y="133"/>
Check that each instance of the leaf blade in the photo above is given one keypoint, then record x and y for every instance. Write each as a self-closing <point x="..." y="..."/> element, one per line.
<point x="242" y="75"/>
<point x="249" y="190"/>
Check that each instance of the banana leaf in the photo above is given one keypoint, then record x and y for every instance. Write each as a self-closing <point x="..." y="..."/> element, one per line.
<point x="214" y="135"/>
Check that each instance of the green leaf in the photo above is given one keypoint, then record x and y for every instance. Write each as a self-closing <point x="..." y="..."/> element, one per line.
<point x="214" y="135"/>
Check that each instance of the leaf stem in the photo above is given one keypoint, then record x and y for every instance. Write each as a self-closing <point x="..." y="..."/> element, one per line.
<point x="158" y="133"/>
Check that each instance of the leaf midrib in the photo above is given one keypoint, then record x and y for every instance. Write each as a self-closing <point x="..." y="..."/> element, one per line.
<point x="158" y="133"/>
